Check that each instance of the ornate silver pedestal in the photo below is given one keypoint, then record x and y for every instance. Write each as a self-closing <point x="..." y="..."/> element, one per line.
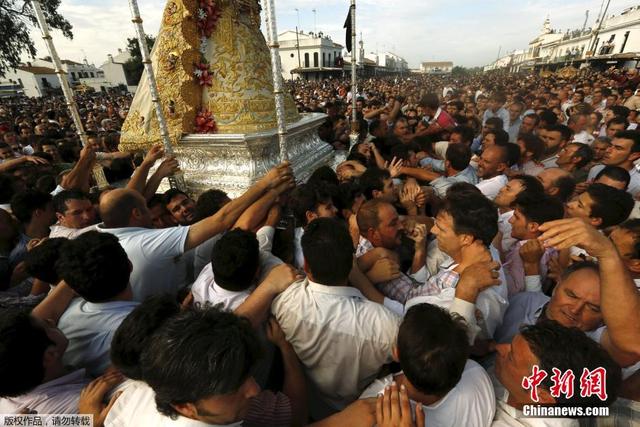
<point x="233" y="162"/>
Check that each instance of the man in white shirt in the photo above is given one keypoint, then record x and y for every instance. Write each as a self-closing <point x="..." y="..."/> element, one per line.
<point x="578" y="123"/>
<point x="33" y="375"/>
<point x="96" y="267"/>
<point x="623" y="151"/>
<point x="549" y="346"/>
<point x="341" y="338"/>
<point x="506" y="196"/>
<point x="436" y="372"/>
<point x="75" y="213"/>
<point x="308" y="202"/>
<point x="237" y="266"/>
<point x="155" y="254"/>
<point x="491" y="167"/>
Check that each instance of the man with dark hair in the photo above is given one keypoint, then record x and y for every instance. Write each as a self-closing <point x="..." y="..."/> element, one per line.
<point x="40" y="261"/>
<point x="199" y="364"/>
<point x="377" y="252"/>
<point x="588" y="295"/>
<point x="96" y="267"/>
<point x="329" y="323"/>
<point x="626" y="238"/>
<point x="615" y="125"/>
<point x="34" y="210"/>
<point x="456" y="165"/>
<point x="495" y="108"/>
<point x="181" y="206"/>
<point x="156" y="254"/>
<point x="237" y="265"/>
<point x="516" y="185"/>
<point x="555" y="137"/>
<point x="377" y="184"/>
<point x="529" y="123"/>
<point x="573" y="157"/>
<point x="308" y="202"/>
<point x="601" y="205"/>
<point x="160" y="216"/>
<point x="623" y="151"/>
<point x="75" y="213"/>
<point x="557" y="183"/>
<point x="549" y="346"/>
<point x="614" y="176"/>
<point x="491" y="170"/>
<point x="436" y="371"/>
<point x="437" y="122"/>
<point x="493" y="123"/>
<point x="464" y="228"/>
<point x="31" y="367"/>
<point x="525" y="265"/>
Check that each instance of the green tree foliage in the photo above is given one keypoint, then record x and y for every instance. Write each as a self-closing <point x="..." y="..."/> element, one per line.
<point x="17" y="19"/>
<point x="134" y="67"/>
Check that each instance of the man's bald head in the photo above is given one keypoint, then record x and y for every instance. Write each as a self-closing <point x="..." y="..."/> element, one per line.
<point x="124" y="208"/>
<point x="557" y="183"/>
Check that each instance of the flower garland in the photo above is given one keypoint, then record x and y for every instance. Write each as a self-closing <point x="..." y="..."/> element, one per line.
<point x="207" y="16"/>
<point x="205" y="122"/>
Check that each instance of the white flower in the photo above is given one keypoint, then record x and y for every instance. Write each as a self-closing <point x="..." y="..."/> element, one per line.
<point x="203" y="45"/>
<point x="202" y="15"/>
<point x="197" y="72"/>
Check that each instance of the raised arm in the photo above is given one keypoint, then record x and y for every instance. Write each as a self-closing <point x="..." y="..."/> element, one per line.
<point x="139" y="178"/>
<point x="420" y="173"/>
<point x="619" y="298"/>
<point x="229" y="214"/>
<point x="11" y="164"/>
<point x="55" y="304"/>
<point x="80" y="176"/>
<point x="168" y="167"/>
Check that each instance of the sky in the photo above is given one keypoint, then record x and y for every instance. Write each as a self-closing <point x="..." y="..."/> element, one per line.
<point x="469" y="33"/>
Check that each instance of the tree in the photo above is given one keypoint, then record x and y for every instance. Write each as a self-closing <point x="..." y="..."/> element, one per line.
<point x="133" y="67"/>
<point x="17" y="18"/>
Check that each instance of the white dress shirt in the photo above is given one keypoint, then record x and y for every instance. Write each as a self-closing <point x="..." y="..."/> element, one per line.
<point x="90" y="327"/>
<point x="471" y="403"/>
<point x="156" y="258"/>
<point x="58" y="230"/>
<point x="490" y="187"/>
<point x="136" y="406"/>
<point x="504" y="226"/>
<point x="59" y="396"/>
<point x="206" y="290"/>
<point x="341" y="338"/>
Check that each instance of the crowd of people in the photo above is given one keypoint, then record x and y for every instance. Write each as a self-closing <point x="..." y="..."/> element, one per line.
<point x="477" y="254"/>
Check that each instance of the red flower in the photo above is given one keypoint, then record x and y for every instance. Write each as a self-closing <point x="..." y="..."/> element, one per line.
<point x="205" y="122"/>
<point x="212" y="13"/>
<point x="203" y="74"/>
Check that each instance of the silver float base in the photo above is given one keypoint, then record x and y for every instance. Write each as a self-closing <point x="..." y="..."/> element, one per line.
<point x="233" y="162"/>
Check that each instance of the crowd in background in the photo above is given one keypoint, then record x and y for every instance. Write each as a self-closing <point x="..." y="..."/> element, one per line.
<point x="483" y="227"/>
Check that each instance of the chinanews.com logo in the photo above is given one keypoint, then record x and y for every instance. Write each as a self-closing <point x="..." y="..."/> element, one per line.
<point x="592" y="383"/>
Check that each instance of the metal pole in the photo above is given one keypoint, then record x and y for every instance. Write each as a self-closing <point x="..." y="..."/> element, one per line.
<point x="597" y="31"/>
<point x="98" y="172"/>
<point x="276" y="68"/>
<point x="353" y="137"/>
<point x="176" y="181"/>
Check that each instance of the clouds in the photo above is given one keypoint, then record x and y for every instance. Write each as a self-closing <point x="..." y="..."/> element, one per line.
<point x="467" y="32"/>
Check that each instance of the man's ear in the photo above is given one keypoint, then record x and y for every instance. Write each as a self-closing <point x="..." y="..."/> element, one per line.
<point x="532" y="227"/>
<point x="634" y="156"/>
<point x="634" y="265"/>
<point x="188" y="410"/>
<point x="59" y="217"/>
<point x="310" y="215"/>
<point x="595" y="221"/>
<point x="545" y="397"/>
<point x="376" y="194"/>
<point x="50" y="357"/>
<point x="395" y="353"/>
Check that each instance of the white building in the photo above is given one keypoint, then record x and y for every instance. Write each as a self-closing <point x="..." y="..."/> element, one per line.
<point x="392" y="63"/>
<point x="309" y="55"/>
<point x="442" y="67"/>
<point x="75" y="70"/>
<point x="115" y="72"/>
<point x="615" y="40"/>
<point x="35" y="81"/>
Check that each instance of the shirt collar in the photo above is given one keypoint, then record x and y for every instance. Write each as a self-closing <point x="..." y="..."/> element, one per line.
<point x="342" y="291"/>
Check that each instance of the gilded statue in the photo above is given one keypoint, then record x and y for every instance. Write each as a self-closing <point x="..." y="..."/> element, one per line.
<point x="210" y="60"/>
